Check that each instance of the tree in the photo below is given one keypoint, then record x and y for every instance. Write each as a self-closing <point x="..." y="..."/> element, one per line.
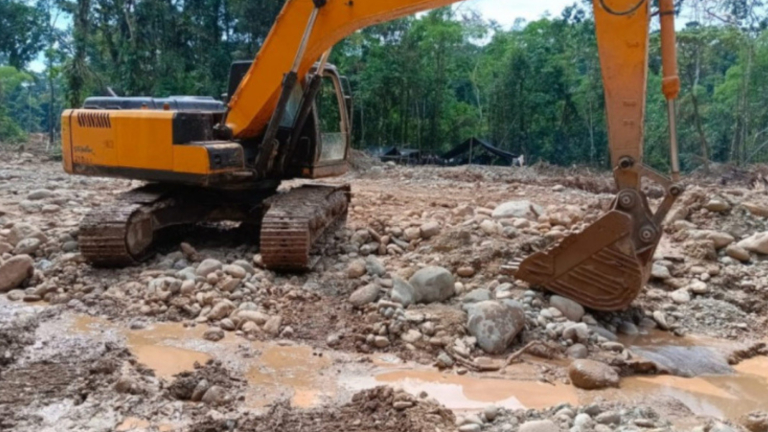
<point x="20" y="39"/>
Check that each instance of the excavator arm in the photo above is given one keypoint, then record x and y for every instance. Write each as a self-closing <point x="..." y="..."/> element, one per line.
<point x="606" y="265"/>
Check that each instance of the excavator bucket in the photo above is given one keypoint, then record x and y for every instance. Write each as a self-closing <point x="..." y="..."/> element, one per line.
<point x="597" y="267"/>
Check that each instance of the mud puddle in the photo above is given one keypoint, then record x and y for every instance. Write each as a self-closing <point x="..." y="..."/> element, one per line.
<point x="309" y="378"/>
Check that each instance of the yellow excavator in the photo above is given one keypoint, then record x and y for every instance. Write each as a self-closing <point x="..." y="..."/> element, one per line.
<point x="208" y="160"/>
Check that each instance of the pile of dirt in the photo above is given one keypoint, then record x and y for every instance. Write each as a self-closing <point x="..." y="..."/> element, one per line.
<point x="362" y="161"/>
<point x="378" y="409"/>
<point x="211" y="382"/>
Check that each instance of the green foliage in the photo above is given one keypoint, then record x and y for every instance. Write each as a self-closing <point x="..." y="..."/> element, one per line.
<point x="13" y="87"/>
<point x="428" y="81"/>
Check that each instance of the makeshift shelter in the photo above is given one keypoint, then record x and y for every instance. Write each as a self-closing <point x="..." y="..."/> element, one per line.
<point x="480" y="152"/>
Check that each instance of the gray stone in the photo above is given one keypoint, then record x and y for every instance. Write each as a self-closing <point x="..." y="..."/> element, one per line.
<point x="592" y="375"/>
<point x="680" y="296"/>
<point x="402" y="292"/>
<point x="477" y="295"/>
<point x="698" y="287"/>
<point x="213" y="334"/>
<point x="432" y="284"/>
<point x="215" y="395"/>
<point x="253" y="315"/>
<point x="69" y="246"/>
<point x="757" y="243"/>
<point x="660" y="319"/>
<point x="576" y="332"/>
<point x="539" y="426"/>
<point x="518" y="209"/>
<point x="444" y="360"/>
<point x="491" y="411"/>
<point x="235" y="271"/>
<point x="208" y="266"/>
<point x="374" y="267"/>
<point x="200" y="389"/>
<point x="608" y="417"/>
<point x="39" y="194"/>
<point x="604" y="333"/>
<point x="628" y="328"/>
<point x="220" y="310"/>
<point x="21" y="231"/>
<point x="572" y="310"/>
<point x="495" y="324"/>
<point x="272" y="326"/>
<point x="471" y="427"/>
<point x="577" y="351"/>
<point x="28" y="246"/>
<point x="381" y="341"/>
<point x="14" y="271"/>
<point x="720" y="239"/>
<point x="364" y="295"/>
<point x="659" y="271"/>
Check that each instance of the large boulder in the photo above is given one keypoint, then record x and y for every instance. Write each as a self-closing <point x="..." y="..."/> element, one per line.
<point x="758" y="243"/>
<point x="592" y="375"/>
<point x="14" y="271"/>
<point x="432" y="284"/>
<point x="518" y="209"/>
<point x="495" y="324"/>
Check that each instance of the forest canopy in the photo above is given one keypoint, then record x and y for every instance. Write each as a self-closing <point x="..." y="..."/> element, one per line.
<point x="429" y="81"/>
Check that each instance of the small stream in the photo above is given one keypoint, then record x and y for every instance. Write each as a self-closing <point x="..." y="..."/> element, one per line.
<point x="702" y="379"/>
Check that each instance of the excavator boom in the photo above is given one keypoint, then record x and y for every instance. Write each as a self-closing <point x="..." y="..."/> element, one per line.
<point x="309" y="28"/>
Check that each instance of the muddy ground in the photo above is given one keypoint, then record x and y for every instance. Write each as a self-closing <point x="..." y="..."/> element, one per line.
<point x="386" y="333"/>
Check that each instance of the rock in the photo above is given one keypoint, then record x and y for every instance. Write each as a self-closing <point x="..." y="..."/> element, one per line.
<point x="235" y="271"/>
<point x="5" y="248"/>
<point x="572" y="310"/>
<point x="444" y="360"/>
<point x="220" y="310"/>
<point x="411" y="336"/>
<point x="717" y="205"/>
<point x="126" y="384"/>
<point x="583" y="421"/>
<point x="432" y="284"/>
<point x="491" y="412"/>
<point x="489" y="227"/>
<point x="659" y="271"/>
<point x="756" y="421"/>
<point x="14" y="271"/>
<point x="628" y="328"/>
<point x="518" y="209"/>
<point x="253" y="316"/>
<point x="576" y="332"/>
<point x="539" y="426"/>
<point x="374" y="267"/>
<point x="577" y="351"/>
<point x="429" y="229"/>
<point x="471" y="427"/>
<point x="213" y="334"/>
<point x="250" y="327"/>
<point x="69" y="246"/>
<point x="200" y="389"/>
<point x="381" y="341"/>
<point x="720" y="239"/>
<point x="757" y="243"/>
<point x="356" y="269"/>
<point x="364" y="295"/>
<point x="495" y="324"/>
<point x="39" y="194"/>
<point x="608" y="417"/>
<point x="272" y="326"/>
<point x="208" y="266"/>
<point x="738" y="252"/>
<point x="51" y="208"/>
<point x="698" y="287"/>
<point x="215" y="395"/>
<point x="227" y="324"/>
<point x="28" y="246"/>
<point x="465" y="271"/>
<point x="478" y="295"/>
<point x="412" y="233"/>
<point x="592" y="375"/>
<point x="756" y="209"/>
<point x="402" y="292"/>
<point x="21" y="231"/>
<point x="680" y="296"/>
<point x="15" y="295"/>
<point x="660" y="319"/>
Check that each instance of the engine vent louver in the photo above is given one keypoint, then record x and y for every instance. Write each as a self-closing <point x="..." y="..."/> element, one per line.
<point x="94" y="120"/>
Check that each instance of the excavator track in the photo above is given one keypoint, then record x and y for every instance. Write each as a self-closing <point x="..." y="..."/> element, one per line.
<point x="121" y="234"/>
<point x="295" y="220"/>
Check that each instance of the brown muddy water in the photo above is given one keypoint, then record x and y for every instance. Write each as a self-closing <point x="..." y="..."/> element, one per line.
<point x="309" y="377"/>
